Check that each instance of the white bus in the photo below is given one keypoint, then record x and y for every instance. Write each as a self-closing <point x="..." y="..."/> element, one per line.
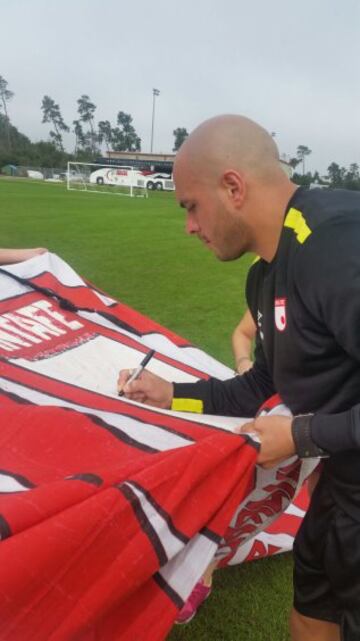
<point x="121" y="176"/>
<point x="128" y="176"/>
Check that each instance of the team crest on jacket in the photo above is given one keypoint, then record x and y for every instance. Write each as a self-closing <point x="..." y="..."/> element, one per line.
<point x="280" y="313"/>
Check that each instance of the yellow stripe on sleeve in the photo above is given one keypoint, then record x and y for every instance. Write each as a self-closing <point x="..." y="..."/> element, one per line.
<point x="187" y="405"/>
<point x="296" y="221"/>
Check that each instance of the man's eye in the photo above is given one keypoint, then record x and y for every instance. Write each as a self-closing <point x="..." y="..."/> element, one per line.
<point x="191" y="209"/>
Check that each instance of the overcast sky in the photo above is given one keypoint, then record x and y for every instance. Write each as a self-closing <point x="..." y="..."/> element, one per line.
<point x="292" y="66"/>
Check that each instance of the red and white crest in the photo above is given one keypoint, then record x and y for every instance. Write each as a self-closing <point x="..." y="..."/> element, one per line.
<point x="280" y="313"/>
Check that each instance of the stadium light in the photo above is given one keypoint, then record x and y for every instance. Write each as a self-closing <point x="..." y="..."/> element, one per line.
<point x="156" y="92"/>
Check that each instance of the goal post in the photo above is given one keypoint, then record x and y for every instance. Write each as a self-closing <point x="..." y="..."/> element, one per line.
<point x="119" y="180"/>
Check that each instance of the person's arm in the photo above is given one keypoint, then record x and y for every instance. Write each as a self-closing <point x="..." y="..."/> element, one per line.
<point x="238" y="396"/>
<point x="337" y="292"/>
<point x="242" y="339"/>
<point x="10" y="256"/>
<point x="328" y="279"/>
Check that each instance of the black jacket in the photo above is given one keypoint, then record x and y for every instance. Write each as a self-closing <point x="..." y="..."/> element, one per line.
<point x="306" y="304"/>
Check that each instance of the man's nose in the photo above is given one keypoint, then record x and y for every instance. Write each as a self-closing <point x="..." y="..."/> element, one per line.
<point x="191" y="226"/>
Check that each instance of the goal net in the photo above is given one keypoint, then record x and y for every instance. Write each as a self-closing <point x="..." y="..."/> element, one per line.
<point x="100" y="179"/>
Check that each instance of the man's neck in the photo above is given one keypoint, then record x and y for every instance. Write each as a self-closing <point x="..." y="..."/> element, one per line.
<point x="270" y="222"/>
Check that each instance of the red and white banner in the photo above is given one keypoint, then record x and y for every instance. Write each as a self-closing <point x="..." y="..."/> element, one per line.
<point x="110" y="511"/>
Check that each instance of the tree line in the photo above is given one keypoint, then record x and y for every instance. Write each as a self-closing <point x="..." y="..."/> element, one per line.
<point x="337" y="177"/>
<point x="91" y="136"/>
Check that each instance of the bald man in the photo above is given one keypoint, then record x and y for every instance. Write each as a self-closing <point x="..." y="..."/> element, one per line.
<point x="304" y="295"/>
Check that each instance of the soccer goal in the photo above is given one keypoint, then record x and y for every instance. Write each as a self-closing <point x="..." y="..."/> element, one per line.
<point x="111" y="179"/>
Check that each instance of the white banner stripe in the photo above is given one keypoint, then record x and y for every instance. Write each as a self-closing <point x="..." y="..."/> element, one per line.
<point x="184" y="570"/>
<point x="150" y="435"/>
<point x="171" y="543"/>
<point x="9" y="484"/>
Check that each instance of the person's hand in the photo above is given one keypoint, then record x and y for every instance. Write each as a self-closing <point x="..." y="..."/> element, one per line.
<point x="243" y="365"/>
<point x="10" y="256"/>
<point x="276" y="442"/>
<point x="148" y="388"/>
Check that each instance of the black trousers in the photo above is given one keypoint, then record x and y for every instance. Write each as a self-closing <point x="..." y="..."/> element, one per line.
<point x="327" y="564"/>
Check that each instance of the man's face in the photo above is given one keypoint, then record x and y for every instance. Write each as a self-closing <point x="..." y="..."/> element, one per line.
<point x="211" y="215"/>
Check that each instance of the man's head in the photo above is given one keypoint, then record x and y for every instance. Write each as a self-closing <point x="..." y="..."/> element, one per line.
<point x="222" y="172"/>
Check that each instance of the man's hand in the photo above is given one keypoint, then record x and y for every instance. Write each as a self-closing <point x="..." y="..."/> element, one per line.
<point x="148" y="388"/>
<point x="276" y="442"/>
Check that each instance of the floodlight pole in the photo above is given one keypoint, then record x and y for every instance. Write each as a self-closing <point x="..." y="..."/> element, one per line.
<point x="156" y="92"/>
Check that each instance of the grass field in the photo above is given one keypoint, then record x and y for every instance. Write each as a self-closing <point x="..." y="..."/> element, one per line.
<point x="136" y="250"/>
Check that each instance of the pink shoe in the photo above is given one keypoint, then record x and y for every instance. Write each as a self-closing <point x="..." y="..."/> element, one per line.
<point x="199" y="594"/>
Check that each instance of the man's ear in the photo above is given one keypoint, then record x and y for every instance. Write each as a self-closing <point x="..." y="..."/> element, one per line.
<point x="234" y="184"/>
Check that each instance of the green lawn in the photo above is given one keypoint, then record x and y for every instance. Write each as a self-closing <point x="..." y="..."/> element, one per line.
<point x="137" y="251"/>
